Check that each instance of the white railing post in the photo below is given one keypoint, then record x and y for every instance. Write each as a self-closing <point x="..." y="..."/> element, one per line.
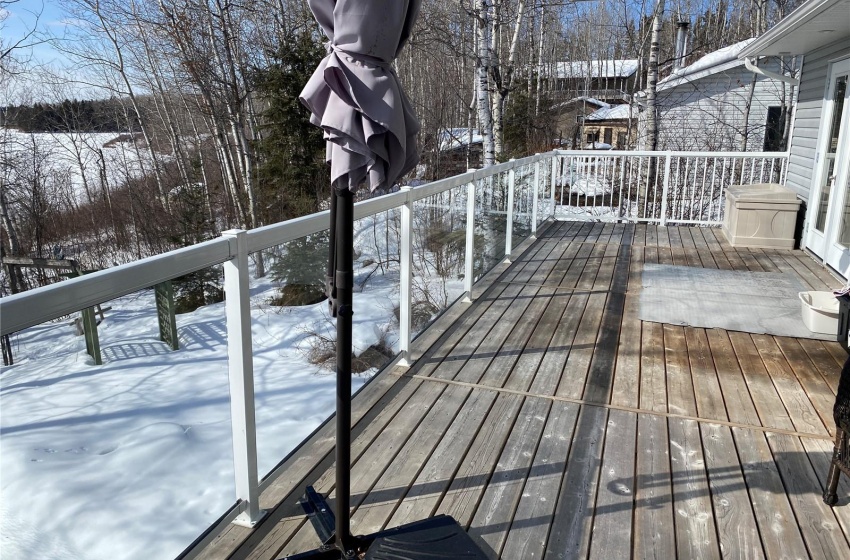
<point x="470" y="242"/>
<point x="553" y="182"/>
<point x="665" y="191"/>
<point x="509" y="229"/>
<point x="406" y="254"/>
<point x="535" y="191"/>
<point x="240" y="365"/>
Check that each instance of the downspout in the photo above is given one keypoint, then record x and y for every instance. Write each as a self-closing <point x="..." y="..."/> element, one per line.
<point x="768" y="74"/>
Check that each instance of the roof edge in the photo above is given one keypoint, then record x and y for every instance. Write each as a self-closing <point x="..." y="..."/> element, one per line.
<point x="799" y="16"/>
<point x="675" y="81"/>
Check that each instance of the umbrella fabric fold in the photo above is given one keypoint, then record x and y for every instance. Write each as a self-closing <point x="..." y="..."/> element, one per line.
<point x="355" y="96"/>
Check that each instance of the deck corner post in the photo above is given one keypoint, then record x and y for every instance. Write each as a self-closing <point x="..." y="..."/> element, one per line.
<point x="406" y="255"/>
<point x="509" y="226"/>
<point x="240" y="367"/>
<point x="534" y="195"/>
<point x="553" y="183"/>
<point x="665" y="192"/>
<point x="469" y="258"/>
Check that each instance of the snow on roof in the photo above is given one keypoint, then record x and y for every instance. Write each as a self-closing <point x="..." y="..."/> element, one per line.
<point x="596" y="68"/>
<point x="585" y="98"/>
<point x="717" y="61"/>
<point x="453" y="138"/>
<point x="612" y="112"/>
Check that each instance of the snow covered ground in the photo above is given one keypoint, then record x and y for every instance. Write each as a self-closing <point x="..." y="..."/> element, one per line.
<point x="65" y="158"/>
<point x="132" y="459"/>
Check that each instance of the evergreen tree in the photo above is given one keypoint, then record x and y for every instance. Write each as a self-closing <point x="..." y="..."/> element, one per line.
<point x="294" y="178"/>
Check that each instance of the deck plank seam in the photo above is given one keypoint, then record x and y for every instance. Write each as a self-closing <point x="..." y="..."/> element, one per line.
<point x="637" y="410"/>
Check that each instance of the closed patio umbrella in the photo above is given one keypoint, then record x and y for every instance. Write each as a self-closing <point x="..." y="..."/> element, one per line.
<point x="370" y="128"/>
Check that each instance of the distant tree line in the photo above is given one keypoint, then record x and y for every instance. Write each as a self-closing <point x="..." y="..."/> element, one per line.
<point x="74" y="115"/>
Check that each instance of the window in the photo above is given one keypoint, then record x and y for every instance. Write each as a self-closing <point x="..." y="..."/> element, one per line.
<point x="774" y="130"/>
<point x="593" y="136"/>
<point x="609" y="134"/>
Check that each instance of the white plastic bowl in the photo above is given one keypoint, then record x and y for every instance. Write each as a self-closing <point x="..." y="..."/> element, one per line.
<point x="820" y="312"/>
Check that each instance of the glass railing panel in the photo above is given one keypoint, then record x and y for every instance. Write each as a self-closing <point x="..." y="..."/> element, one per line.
<point x="106" y="415"/>
<point x="439" y="249"/>
<point x="523" y="202"/>
<point x="294" y="333"/>
<point x="377" y="241"/>
<point x="491" y="194"/>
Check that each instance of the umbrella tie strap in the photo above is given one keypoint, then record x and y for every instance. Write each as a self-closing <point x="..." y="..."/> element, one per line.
<point x="356" y="58"/>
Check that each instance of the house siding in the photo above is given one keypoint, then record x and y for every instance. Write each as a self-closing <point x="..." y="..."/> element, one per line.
<point x="708" y="114"/>
<point x="807" y="120"/>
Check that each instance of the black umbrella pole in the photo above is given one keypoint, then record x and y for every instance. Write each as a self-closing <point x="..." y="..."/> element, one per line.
<point x="344" y="280"/>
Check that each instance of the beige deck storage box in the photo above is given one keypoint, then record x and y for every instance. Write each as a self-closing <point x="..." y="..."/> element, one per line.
<point x="760" y="215"/>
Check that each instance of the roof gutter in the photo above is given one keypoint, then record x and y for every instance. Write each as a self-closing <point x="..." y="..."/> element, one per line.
<point x="802" y="14"/>
<point x="768" y="74"/>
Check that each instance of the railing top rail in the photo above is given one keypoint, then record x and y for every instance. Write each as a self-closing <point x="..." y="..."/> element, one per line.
<point x="275" y="234"/>
<point x="23" y="310"/>
<point x="46" y="303"/>
<point x="673" y="153"/>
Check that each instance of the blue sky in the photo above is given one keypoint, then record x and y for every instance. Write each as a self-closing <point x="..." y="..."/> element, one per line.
<point x="26" y="15"/>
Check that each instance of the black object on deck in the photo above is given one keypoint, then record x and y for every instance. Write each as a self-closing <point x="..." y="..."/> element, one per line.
<point x="437" y="537"/>
<point x="844" y="321"/>
<point x="319" y="514"/>
<point x="429" y="539"/>
<point x="841" y="452"/>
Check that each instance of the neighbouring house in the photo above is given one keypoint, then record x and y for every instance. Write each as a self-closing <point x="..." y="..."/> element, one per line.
<point x="717" y="104"/>
<point x="613" y="127"/>
<point x="569" y="117"/>
<point x="606" y="80"/>
<point x="458" y="151"/>
<point x="819" y="162"/>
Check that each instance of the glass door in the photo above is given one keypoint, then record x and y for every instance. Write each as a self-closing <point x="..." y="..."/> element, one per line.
<point x="829" y="215"/>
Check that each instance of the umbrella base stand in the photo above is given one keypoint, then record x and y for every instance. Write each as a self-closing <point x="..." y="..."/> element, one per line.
<point x="429" y="539"/>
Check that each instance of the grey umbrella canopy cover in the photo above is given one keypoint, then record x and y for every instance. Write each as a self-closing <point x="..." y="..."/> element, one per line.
<point x="355" y="96"/>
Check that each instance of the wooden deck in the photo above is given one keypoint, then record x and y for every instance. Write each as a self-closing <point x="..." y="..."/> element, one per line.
<point x="551" y="422"/>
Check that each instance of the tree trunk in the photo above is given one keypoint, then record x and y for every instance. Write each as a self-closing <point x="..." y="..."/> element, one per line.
<point x="482" y="15"/>
<point x="122" y="71"/>
<point x="540" y="60"/>
<point x="652" y="79"/>
<point x="503" y="81"/>
<point x="745" y="131"/>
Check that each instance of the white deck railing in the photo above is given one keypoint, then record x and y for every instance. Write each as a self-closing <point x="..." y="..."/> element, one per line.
<point x="658" y="187"/>
<point x="681" y="187"/>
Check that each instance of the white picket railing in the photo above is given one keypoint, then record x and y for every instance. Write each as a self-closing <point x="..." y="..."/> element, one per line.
<point x="523" y="191"/>
<point x="658" y="187"/>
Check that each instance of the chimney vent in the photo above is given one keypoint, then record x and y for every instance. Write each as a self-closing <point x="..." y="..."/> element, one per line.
<point x="681" y="44"/>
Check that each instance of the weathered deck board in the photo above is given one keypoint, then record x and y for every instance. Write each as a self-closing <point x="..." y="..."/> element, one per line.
<point x="529" y="530"/>
<point x="498" y="504"/>
<point x="709" y="395"/>
<point x="781" y="536"/>
<point x="655" y="534"/>
<point x="551" y="422"/>
<point x="733" y="512"/>
<point x="696" y="535"/>
<point x="612" y="515"/>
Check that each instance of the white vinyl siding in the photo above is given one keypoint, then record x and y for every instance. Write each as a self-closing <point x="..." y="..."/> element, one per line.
<point x="708" y="114"/>
<point x="809" y="110"/>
